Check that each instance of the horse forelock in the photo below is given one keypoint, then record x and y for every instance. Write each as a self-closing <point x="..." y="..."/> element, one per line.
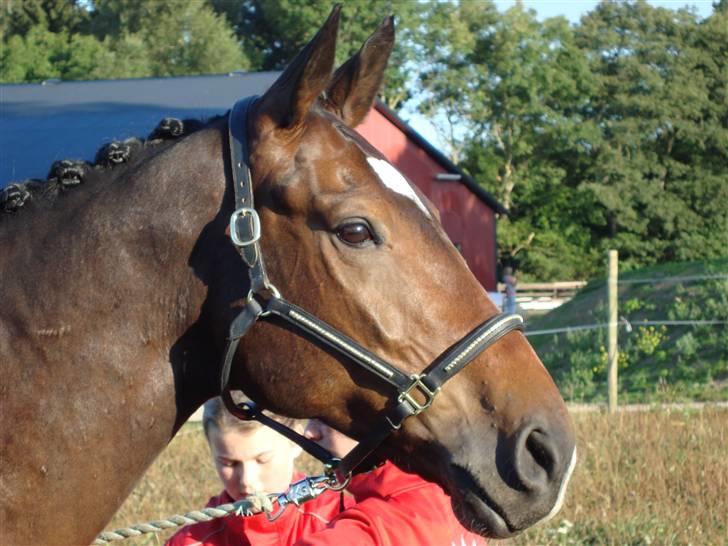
<point x="112" y="160"/>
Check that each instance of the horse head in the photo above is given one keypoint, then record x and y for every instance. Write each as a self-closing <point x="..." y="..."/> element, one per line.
<point x="347" y="238"/>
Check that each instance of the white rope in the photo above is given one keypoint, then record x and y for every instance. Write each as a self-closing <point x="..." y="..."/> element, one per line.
<point x="678" y="322"/>
<point x="627" y="325"/>
<point x="687" y="278"/>
<point x="566" y="329"/>
<point x="248" y="506"/>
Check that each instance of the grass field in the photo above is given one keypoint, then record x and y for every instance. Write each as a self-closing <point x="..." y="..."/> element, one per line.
<point x="649" y="478"/>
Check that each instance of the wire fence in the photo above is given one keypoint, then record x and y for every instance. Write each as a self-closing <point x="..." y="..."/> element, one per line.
<point x="686" y="278"/>
<point x="649" y="338"/>
<point x="629" y="326"/>
<point x="624" y="323"/>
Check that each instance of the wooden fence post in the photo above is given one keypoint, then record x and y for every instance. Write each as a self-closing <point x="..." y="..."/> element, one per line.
<point x="613" y="349"/>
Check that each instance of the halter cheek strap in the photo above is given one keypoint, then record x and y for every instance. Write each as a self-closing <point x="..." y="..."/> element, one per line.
<point x="245" y="229"/>
<point x="415" y="392"/>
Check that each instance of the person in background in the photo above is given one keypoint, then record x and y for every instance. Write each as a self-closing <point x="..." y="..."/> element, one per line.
<point x="250" y="457"/>
<point x="384" y="507"/>
<point x="509" y="302"/>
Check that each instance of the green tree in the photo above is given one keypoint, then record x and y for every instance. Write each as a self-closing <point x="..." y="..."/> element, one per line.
<point x="31" y="58"/>
<point x="189" y="38"/>
<point x="515" y="86"/>
<point x="35" y="39"/>
<point x="611" y="133"/>
<point x="658" y="166"/>
<point x="177" y="37"/>
<point x="116" y="18"/>
<point x="42" y="54"/>
<point x="273" y="31"/>
<point x="134" y="38"/>
<point x="451" y="79"/>
<point x="18" y="17"/>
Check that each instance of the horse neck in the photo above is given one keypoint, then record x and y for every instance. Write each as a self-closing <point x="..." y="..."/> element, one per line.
<point x="102" y="338"/>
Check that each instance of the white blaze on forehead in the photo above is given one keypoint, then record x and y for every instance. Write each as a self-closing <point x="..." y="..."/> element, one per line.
<point x="394" y="180"/>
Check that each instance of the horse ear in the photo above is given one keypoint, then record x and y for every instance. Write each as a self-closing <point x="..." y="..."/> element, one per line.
<point x="288" y="100"/>
<point x="355" y="84"/>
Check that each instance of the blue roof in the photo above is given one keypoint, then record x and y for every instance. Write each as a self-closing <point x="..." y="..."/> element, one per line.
<point x="41" y="123"/>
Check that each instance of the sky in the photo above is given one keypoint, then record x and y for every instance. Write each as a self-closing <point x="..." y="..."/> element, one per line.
<point x="572" y="10"/>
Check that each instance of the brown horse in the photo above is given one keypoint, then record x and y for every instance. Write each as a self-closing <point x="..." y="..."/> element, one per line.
<point x="117" y="297"/>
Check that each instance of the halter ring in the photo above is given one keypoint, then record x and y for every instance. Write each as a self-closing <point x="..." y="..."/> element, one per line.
<point x="274" y="292"/>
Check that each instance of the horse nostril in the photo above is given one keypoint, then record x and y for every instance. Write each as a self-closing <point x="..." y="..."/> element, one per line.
<point x="536" y="459"/>
<point x="538" y="445"/>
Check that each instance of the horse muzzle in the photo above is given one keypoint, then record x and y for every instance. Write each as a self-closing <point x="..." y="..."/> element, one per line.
<point x="533" y="467"/>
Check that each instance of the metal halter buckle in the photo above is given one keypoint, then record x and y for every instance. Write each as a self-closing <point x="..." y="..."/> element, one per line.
<point x="417" y="383"/>
<point x="255" y="223"/>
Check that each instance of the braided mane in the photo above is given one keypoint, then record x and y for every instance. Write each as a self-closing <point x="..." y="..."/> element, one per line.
<point x="111" y="159"/>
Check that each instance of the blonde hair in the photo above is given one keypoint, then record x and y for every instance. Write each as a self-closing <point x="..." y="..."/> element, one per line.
<point x="216" y="414"/>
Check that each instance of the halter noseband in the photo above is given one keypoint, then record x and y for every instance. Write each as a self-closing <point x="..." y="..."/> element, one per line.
<point x="415" y="393"/>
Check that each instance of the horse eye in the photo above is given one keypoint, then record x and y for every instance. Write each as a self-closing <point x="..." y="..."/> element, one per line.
<point x="355" y="234"/>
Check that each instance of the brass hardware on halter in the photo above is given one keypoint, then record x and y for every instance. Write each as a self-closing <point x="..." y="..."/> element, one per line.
<point x="429" y="394"/>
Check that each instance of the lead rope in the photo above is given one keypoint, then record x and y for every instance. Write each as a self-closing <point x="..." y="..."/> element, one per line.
<point x="248" y="506"/>
<point x="298" y="493"/>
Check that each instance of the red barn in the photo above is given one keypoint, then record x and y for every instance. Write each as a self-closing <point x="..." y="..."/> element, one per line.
<point x="467" y="211"/>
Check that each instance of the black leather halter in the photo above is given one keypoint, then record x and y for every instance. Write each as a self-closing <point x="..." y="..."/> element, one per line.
<point x="415" y="393"/>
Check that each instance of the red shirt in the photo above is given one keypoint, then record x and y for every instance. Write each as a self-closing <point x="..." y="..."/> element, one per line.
<point x="393" y="508"/>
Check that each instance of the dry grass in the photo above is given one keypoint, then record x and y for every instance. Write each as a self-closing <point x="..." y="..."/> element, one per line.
<point x="657" y="477"/>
